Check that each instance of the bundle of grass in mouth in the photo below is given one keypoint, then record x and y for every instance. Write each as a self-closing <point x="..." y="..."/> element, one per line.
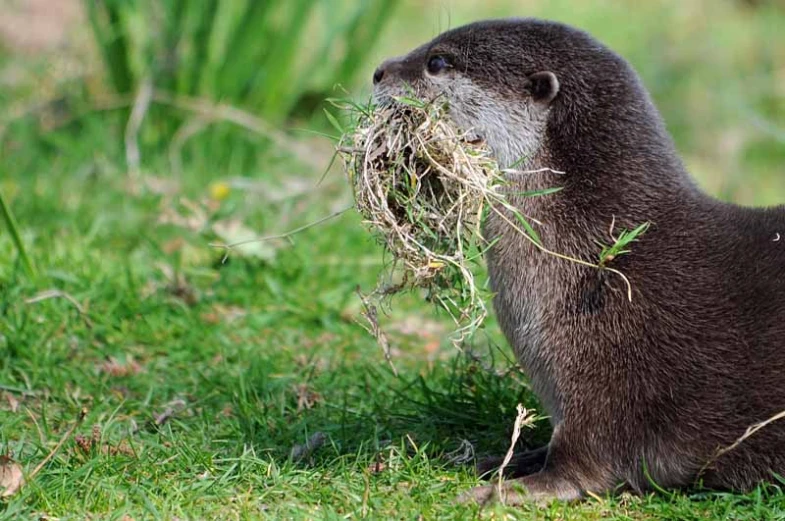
<point x="424" y="189"/>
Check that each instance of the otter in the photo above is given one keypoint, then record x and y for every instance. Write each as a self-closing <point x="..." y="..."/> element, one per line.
<point x="643" y="393"/>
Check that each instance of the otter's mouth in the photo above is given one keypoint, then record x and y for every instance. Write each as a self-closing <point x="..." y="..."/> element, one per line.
<point x="473" y="138"/>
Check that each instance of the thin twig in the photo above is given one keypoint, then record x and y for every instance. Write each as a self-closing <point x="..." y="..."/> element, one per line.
<point x="375" y="330"/>
<point x="16" y="237"/>
<point x="752" y="429"/>
<point x="514" y="171"/>
<point x="67" y="434"/>
<point x="230" y="247"/>
<point x="56" y="293"/>
<point x="523" y="418"/>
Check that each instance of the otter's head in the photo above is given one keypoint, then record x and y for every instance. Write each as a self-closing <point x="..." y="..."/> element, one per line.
<point x="492" y="86"/>
<point x="513" y="83"/>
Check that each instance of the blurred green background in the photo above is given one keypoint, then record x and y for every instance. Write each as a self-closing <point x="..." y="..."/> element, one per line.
<point x="135" y="133"/>
<point x="714" y="67"/>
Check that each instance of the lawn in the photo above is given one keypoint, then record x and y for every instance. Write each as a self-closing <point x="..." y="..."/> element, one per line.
<point x="187" y="383"/>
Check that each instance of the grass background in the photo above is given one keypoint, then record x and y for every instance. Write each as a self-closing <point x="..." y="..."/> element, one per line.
<point x="249" y="358"/>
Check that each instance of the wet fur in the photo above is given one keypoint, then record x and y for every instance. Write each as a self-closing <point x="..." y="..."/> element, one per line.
<point x="656" y="385"/>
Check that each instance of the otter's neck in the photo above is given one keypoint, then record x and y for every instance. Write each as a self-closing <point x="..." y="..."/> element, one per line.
<point x="616" y="161"/>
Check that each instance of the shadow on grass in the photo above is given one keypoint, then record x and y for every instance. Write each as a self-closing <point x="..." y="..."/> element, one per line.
<point x="364" y="410"/>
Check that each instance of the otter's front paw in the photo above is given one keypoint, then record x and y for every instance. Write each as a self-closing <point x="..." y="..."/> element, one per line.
<point x="540" y="488"/>
<point x="512" y="493"/>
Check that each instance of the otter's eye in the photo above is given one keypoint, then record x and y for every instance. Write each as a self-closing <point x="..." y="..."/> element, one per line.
<point x="437" y="64"/>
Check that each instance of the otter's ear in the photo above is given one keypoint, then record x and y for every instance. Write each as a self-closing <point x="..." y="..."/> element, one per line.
<point x="543" y="86"/>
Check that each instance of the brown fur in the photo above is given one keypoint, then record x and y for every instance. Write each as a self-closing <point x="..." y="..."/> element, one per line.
<point x="656" y="385"/>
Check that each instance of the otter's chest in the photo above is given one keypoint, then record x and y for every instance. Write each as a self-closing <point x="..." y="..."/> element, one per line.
<point x="528" y="299"/>
<point x="518" y="301"/>
<point x="527" y="286"/>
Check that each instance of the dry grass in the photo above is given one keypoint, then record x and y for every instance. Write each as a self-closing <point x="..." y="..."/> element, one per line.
<point x="525" y="418"/>
<point x="424" y="190"/>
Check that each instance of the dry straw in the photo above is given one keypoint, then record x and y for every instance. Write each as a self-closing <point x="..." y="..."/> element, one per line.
<point x="424" y="189"/>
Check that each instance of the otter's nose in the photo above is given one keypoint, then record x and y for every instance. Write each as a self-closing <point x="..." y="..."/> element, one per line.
<point x="378" y="74"/>
<point x="387" y="69"/>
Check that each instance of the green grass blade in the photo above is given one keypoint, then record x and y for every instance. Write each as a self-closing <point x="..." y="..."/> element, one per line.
<point x="334" y="122"/>
<point x="173" y="33"/>
<point x="202" y="38"/>
<point x="106" y="23"/>
<point x="13" y="228"/>
<point x="530" y="231"/>
<point x="280" y="90"/>
<point x="619" y="247"/>
<point x="246" y="51"/>
<point x="538" y="193"/>
<point x="228" y="16"/>
<point x="251" y="53"/>
<point x="198" y="20"/>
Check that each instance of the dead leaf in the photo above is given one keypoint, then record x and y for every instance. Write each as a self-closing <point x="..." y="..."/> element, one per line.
<point x="377" y="467"/>
<point x="13" y="403"/>
<point x="223" y="314"/>
<point x="114" y="367"/>
<point x="306" y="397"/>
<point x="86" y="445"/>
<point x="11" y="477"/>
<point x="227" y="411"/>
<point x="173" y="246"/>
